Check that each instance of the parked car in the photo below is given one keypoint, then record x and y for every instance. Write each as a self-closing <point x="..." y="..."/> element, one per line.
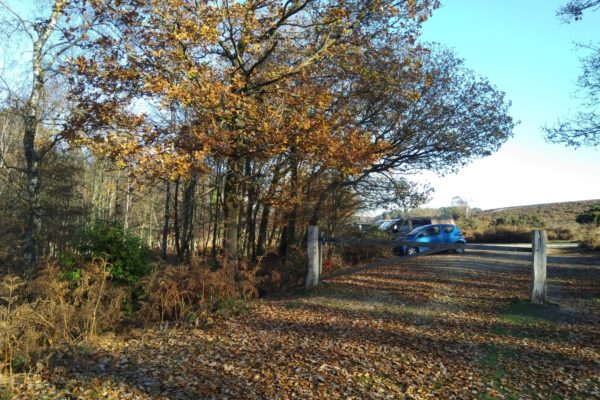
<point x="402" y="226"/>
<point x="388" y="224"/>
<point x="434" y="233"/>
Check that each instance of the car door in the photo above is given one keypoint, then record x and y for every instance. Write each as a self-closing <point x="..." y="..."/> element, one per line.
<point x="431" y="234"/>
<point x="446" y="236"/>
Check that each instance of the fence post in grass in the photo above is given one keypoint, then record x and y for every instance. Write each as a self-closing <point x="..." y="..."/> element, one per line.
<point x="538" y="272"/>
<point x="312" y="277"/>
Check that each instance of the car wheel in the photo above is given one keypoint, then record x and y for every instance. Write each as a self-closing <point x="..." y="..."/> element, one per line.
<point x="411" y="251"/>
<point x="460" y="248"/>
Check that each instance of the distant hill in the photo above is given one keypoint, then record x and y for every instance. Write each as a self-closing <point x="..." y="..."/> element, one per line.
<point x="555" y="214"/>
<point x="514" y="224"/>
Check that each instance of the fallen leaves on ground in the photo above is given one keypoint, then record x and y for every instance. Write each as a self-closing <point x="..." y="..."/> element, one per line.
<point x="441" y="326"/>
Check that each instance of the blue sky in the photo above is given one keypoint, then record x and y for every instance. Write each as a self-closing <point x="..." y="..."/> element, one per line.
<point x="529" y="53"/>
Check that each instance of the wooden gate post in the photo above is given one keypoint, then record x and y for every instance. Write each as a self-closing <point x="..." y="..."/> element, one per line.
<point x="312" y="277"/>
<point x="538" y="272"/>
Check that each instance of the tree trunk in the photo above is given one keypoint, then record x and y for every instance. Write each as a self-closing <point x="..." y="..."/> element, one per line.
<point x="231" y="209"/>
<point x="316" y="213"/>
<point x="127" y="202"/>
<point x="274" y="232"/>
<point x="176" y="218"/>
<point x="252" y="254"/>
<point x="251" y="195"/>
<point x="283" y="239"/>
<point x="250" y="226"/>
<point x="264" y="219"/>
<point x="189" y="199"/>
<point x="288" y="237"/>
<point x="118" y="206"/>
<point x="32" y="188"/>
<point x="262" y="230"/>
<point x="165" y="232"/>
<point x="215" y="233"/>
<point x="32" y="183"/>
<point x="206" y="225"/>
<point x="31" y="124"/>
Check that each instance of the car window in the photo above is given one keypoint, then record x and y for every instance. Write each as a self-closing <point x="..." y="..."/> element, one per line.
<point x="386" y="225"/>
<point x="431" y="231"/>
<point x="415" y="231"/>
<point x="448" y="228"/>
<point x="403" y="228"/>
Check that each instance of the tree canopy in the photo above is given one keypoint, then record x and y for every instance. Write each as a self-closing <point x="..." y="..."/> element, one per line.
<point x="282" y="109"/>
<point x="583" y="128"/>
<point x="574" y="9"/>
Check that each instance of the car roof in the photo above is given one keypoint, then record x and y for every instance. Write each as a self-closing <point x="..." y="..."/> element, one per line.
<point x="388" y="223"/>
<point x="430" y="225"/>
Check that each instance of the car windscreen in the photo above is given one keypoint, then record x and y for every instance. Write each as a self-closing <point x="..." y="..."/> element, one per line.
<point x="385" y="225"/>
<point x="388" y="224"/>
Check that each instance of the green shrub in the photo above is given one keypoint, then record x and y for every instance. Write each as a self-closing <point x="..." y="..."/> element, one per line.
<point x="231" y="307"/>
<point x="471" y="224"/>
<point x="125" y="253"/>
<point x="591" y="216"/>
<point x="523" y="220"/>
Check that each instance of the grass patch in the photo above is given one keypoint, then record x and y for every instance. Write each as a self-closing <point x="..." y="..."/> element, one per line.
<point x="365" y="380"/>
<point x="525" y="313"/>
<point x="489" y="362"/>
<point x="505" y="395"/>
<point x="439" y="383"/>
<point x="293" y="304"/>
<point x="490" y="357"/>
<point x="6" y="393"/>
<point x="231" y="307"/>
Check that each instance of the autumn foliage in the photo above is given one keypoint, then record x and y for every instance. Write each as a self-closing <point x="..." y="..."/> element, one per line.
<point x="254" y="79"/>
<point x="293" y="100"/>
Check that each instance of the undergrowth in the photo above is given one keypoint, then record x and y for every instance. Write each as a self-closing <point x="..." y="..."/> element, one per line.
<point x="192" y="293"/>
<point x="62" y="306"/>
<point x="49" y="311"/>
<point x="591" y="238"/>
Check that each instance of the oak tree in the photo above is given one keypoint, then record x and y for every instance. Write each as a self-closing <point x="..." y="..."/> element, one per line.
<point x="250" y="73"/>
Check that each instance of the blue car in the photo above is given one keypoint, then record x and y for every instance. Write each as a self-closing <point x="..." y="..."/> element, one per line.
<point x="436" y="233"/>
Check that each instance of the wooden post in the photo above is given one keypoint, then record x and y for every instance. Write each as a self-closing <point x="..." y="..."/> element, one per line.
<point x="538" y="272"/>
<point x="312" y="277"/>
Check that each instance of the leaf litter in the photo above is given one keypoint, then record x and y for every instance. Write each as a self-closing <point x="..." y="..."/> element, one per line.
<point x="444" y="326"/>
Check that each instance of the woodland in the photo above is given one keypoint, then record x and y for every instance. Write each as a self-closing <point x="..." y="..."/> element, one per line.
<point x="223" y="129"/>
<point x="161" y="160"/>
